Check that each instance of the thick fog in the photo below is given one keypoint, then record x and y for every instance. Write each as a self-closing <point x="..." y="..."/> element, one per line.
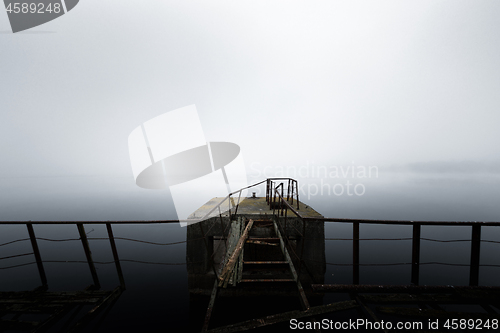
<point x="409" y="88"/>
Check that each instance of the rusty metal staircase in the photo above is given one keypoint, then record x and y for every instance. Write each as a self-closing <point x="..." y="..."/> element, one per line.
<point x="256" y="256"/>
<point x="264" y="260"/>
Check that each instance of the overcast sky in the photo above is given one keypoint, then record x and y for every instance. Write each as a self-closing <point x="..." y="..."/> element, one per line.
<point x="403" y="85"/>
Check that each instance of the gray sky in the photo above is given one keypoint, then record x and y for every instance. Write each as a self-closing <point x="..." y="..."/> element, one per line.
<point x="408" y="86"/>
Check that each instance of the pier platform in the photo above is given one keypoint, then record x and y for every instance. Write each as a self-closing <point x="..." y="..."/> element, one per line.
<point x="249" y="206"/>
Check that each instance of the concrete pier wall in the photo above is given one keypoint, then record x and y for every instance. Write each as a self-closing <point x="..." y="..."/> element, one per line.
<point x="199" y="255"/>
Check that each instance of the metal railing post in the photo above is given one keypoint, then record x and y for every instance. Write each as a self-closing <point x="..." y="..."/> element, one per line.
<point x="355" y="253"/>
<point x="274" y="199"/>
<point x="268" y="190"/>
<point x="237" y="205"/>
<point x="288" y="191"/>
<point x="115" y="255"/>
<point x="415" y="257"/>
<point x="285" y="231"/>
<point x="475" y="255"/>
<point x="36" y="252"/>
<point x="88" y="254"/>
<point x="282" y="199"/>
<point x="297" y="187"/>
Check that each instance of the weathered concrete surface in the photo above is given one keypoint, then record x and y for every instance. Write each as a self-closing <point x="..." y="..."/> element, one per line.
<point x="253" y="206"/>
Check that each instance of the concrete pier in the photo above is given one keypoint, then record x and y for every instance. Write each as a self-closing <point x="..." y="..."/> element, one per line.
<point x="202" y="257"/>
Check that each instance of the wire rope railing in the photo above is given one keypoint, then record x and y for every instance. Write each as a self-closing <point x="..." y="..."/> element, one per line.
<point x="280" y="206"/>
<point x="282" y="196"/>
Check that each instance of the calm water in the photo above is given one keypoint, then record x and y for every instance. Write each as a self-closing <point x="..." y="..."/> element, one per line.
<point x="157" y="297"/>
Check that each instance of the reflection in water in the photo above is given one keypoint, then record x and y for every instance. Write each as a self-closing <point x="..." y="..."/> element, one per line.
<point x="67" y="269"/>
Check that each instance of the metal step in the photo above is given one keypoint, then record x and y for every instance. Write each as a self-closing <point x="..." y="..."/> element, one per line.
<point x="267" y="280"/>
<point x="265" y="239"/>
<point x="258" y="242"/>
<point x="265" y="262"/>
